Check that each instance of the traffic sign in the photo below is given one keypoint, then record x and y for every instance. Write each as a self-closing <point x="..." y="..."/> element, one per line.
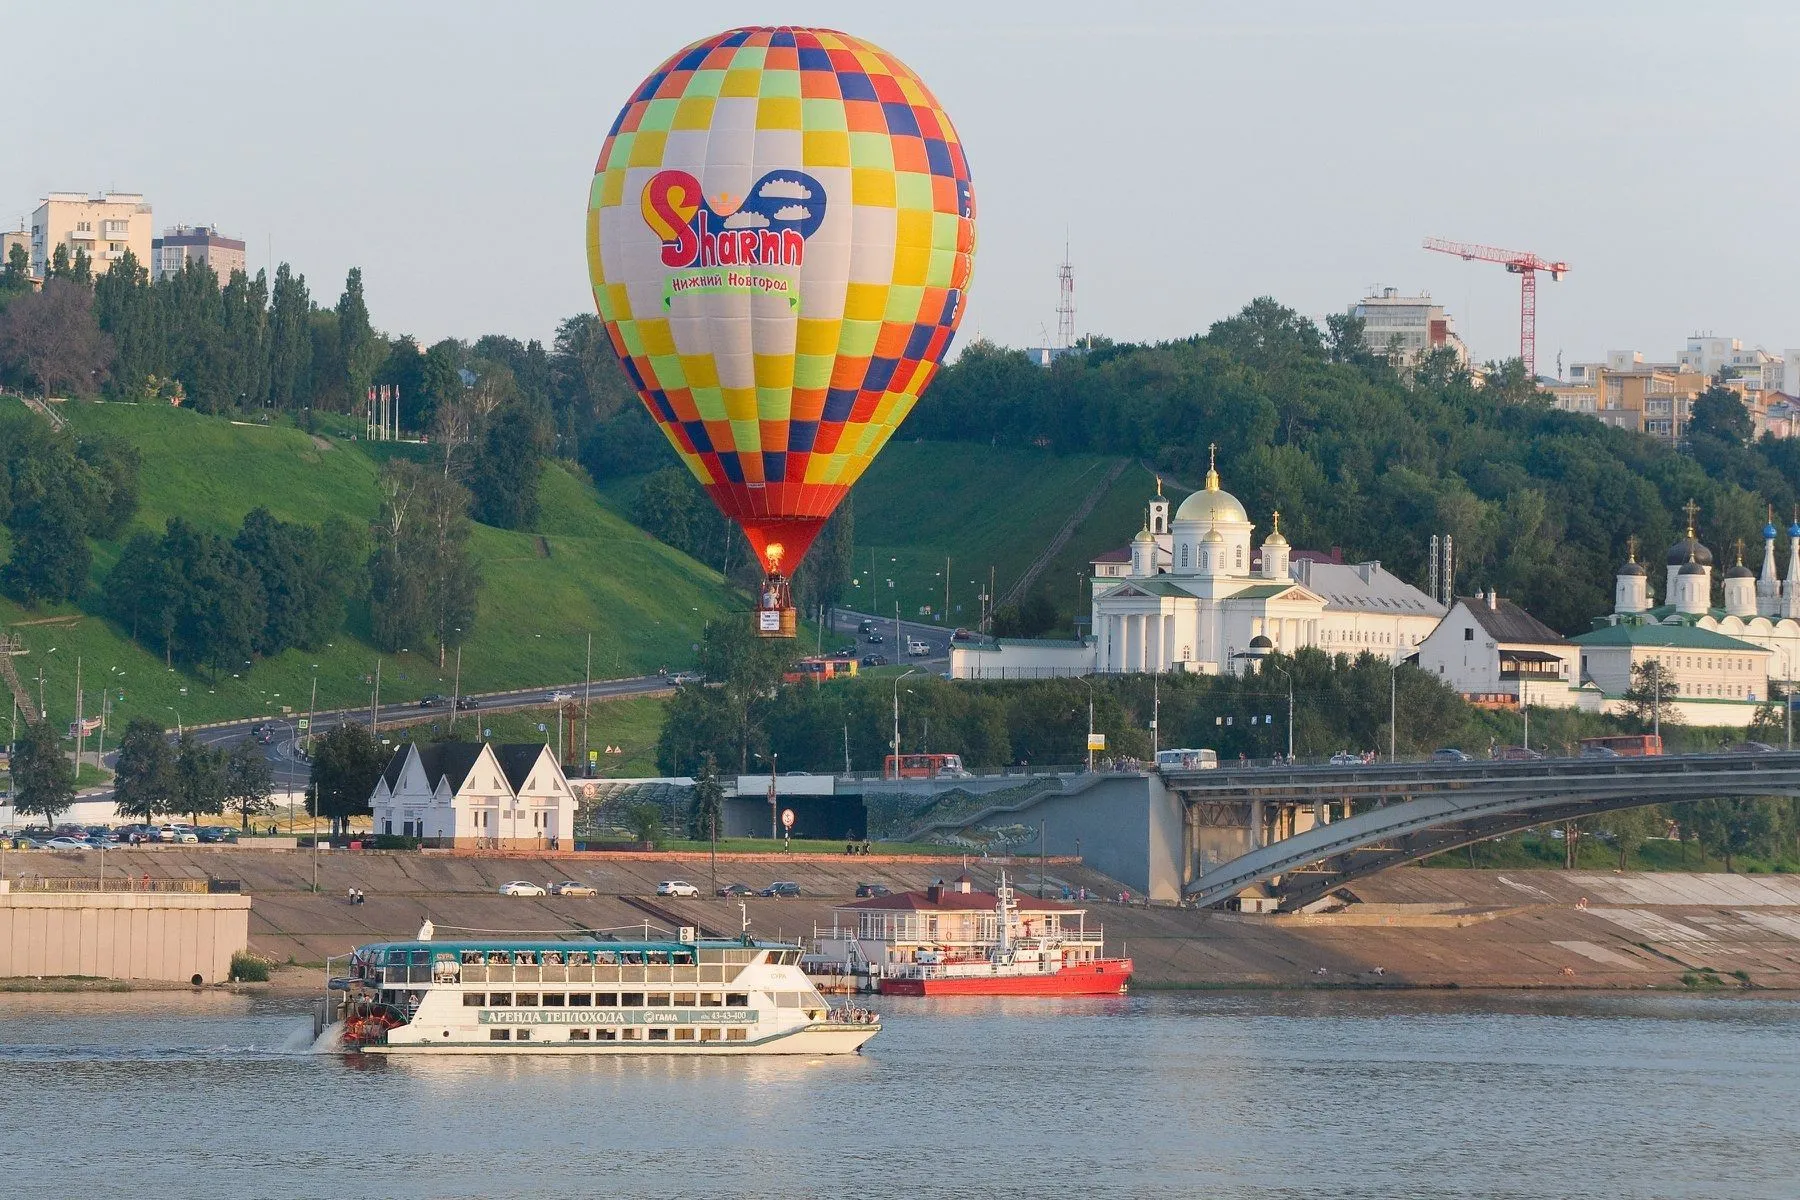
<point x="787" y="818"/>
<point x="1096" y="741"/>
<point x="303" y="723"/>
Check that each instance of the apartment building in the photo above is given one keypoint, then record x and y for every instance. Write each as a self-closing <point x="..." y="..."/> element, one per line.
<point x="1627" y="392"/>
<point x="1711" y="356"/>
<point x="182" y="244"/>
<point x="1405" y="328"/>
<point x="105" y="226"/>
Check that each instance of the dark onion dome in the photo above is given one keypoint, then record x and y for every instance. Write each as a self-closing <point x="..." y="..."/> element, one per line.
<point x="1739" y="572"/>
<point x="1259" y="642"/>
<point x="1632" y="568"/>
<point x="1794" y="529"/>
<point x="1689" y="548"/>
<point x="1694" y="568"/>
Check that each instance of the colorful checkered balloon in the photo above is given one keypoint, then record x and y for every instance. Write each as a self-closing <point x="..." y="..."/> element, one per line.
<point x="780" y="233"/>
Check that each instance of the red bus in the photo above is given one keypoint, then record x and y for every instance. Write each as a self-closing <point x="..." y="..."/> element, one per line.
<point x="923" y="766"/>
<point x="1629" y="745"/>
<point x="814" y="669"/>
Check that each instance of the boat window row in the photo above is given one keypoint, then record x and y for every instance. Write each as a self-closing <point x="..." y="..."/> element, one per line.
<point x="571" y="958"/>
<point x="606" y="1000"/>
<point x="659" y="1034"/>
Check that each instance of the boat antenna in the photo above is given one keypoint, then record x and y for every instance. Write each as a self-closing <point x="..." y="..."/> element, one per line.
<point x="744" y="915"/>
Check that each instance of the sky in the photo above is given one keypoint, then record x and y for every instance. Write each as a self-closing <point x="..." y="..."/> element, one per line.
<point x="1193" y="155"/>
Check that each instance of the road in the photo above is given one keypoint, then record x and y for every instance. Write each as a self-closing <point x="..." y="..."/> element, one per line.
<point x="290" y="766"/>
<point x="892" y="644"/>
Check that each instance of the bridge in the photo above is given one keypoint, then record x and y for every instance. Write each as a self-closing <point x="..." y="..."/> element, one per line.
<point x="1401" y="812"/>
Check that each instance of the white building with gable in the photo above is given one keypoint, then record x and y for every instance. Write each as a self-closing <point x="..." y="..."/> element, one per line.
<point x="511" y="796"/>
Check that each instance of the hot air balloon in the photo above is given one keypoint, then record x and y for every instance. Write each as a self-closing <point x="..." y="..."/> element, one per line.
<point x="780" y="232"/>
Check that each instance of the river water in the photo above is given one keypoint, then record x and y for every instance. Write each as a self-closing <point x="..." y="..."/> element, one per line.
<point x="1305" y="1094"/>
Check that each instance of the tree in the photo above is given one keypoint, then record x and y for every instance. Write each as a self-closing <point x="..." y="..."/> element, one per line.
<point x="1731" y="826"/>
<point x="360" y="351"/>
<point x="199" y="779"/>
<point x="422" y="579"/>
<point x="508" y="467"/>
<point x="707" y="807"/>
<point x="144" y="779"/>
<point x="248" y="781"/>
<point x="290" y="341"/>
<point x="1628" y="827"/>
<point x="1652" y="688"/>
<point x="50" y="555"/>
<point x="49" y="340"/>
<point x="1719" y="413"/>
<point x="15" y="278"/>
<point x="43" y="777"/>
<point x="646" y="824"/>
<point x="346" y="763"/>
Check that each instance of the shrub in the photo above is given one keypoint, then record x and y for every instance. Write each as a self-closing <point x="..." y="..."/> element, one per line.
<point x="248" y="968"/>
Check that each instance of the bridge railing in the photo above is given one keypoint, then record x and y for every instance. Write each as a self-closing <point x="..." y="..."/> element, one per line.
<point x="196" y="887"/>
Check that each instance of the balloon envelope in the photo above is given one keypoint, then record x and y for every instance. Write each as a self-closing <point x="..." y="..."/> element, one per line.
<point x="780" y="232"/>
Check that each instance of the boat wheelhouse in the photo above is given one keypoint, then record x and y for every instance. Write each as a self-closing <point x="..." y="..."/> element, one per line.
<point x="584" y="996"/>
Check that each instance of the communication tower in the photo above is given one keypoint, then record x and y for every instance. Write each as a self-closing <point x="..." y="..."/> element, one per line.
<point x="1065" y="302"/>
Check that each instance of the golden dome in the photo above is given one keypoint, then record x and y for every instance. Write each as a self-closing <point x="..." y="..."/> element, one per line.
<point x="1212" y="503"/>
<point x="1275" y="538"/>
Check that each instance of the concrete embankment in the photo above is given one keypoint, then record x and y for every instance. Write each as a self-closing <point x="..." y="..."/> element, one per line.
<point x="1409" y="927"/>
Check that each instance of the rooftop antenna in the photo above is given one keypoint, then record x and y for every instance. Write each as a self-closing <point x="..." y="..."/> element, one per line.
<point x="1065" y="303"/>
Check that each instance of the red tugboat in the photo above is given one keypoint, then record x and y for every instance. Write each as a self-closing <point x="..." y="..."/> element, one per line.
<point x="955" y="941"/>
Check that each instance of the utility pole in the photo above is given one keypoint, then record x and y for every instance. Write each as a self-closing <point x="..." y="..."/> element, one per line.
<point x="946" y="589"/>
<point x="1393" y="705"/>
<point x="846" y="748"/>
<point x="80" y="725"/>
<point x="1656" y="707"/>
<point x="1155" y="714"/>
<point x="312" y="703"/>
<point x="587" y="690"/>
<point x="774" y="792"/>
<point x="456" y="689"/>
<point x="375" y="700"/>
<point x="1090" y="736"/>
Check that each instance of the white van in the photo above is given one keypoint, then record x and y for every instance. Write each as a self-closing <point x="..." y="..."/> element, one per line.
<point x="916" y="648"/>
<point x="1187" y="760"/>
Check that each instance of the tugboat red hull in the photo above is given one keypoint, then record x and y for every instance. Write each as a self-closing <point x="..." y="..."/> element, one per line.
<point x="1103" y="977"/>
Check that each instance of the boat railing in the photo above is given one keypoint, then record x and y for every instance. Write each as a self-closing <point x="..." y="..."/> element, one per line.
<point x="584" y="973"/>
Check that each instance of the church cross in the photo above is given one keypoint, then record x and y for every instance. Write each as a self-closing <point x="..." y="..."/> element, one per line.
<point x="1692" y="510"/>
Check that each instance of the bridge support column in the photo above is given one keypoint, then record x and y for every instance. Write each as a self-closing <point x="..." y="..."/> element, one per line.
<point x="1258" y="834"/>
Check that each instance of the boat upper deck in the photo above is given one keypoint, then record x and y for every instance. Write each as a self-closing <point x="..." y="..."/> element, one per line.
<point x="415" y="963"/>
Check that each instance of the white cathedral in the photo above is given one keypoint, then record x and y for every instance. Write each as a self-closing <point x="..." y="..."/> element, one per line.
<point x="1762" y="609"/>
<point x="1190" y="595"/>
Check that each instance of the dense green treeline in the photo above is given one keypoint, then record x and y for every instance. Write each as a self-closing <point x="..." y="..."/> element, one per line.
<point x="1358" y="455"/>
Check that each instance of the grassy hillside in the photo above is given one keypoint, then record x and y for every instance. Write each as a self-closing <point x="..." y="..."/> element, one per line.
<point x="985" y="507"/>
<point x="583" y="570"/>
<point x="981" y="507"/>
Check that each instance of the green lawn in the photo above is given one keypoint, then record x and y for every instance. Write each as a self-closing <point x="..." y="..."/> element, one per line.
<point x="1537" y="849"/>
<point x="985" y="507"/>
<point x="583" y="571"/>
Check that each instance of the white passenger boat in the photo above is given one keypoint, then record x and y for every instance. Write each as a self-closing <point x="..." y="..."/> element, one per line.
<point x="686" y="995"/>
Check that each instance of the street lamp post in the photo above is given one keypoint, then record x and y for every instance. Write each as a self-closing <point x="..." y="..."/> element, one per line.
<point x="1393" y="705"/>
<point x="1090" y="733"/>
<point x="896" y="743"/>
<point x="1287" y="675"/>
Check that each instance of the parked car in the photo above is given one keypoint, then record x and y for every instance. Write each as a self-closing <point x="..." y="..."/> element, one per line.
<point x="676" y="887"/>
<point x="1516" y="754"/>
<point x="735" y="889"/>
<point x="21" y="842"/>
<point x="782" y="890"/>
<point x="521" y="887"/>
<point x="187" y="837"/>
<point x="872" y="889"/>
<point x="1343" y="758"/>
<point x="1599" y="752"/>
<point x="67" y="843"/>
<point x="434" y="700"/>
<point x="874" y="660"/>
<point x="214" y="835"/>
<point x="1450" y="754"/>
<point x="569" y="887"/>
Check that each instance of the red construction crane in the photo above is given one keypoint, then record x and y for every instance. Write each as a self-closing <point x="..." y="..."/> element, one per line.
<point x="1525" y="265"/>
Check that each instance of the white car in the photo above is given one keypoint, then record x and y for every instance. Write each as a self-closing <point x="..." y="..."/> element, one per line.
<point x="521" y="887"/>
<point x="561" y="697"/>
<point x="676" y="887"/>
<point x="184" y="836"/>
<point x="66" y="843"/>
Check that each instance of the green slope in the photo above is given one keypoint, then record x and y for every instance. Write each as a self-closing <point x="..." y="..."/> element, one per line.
<point x="983" y="507"/>
<point x="583" y="570"/>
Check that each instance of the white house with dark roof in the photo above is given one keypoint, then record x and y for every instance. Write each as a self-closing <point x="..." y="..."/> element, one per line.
<point x="510" y="796"/>
<point x="1193" y="594"/>
<point x="1494" y="652"/>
